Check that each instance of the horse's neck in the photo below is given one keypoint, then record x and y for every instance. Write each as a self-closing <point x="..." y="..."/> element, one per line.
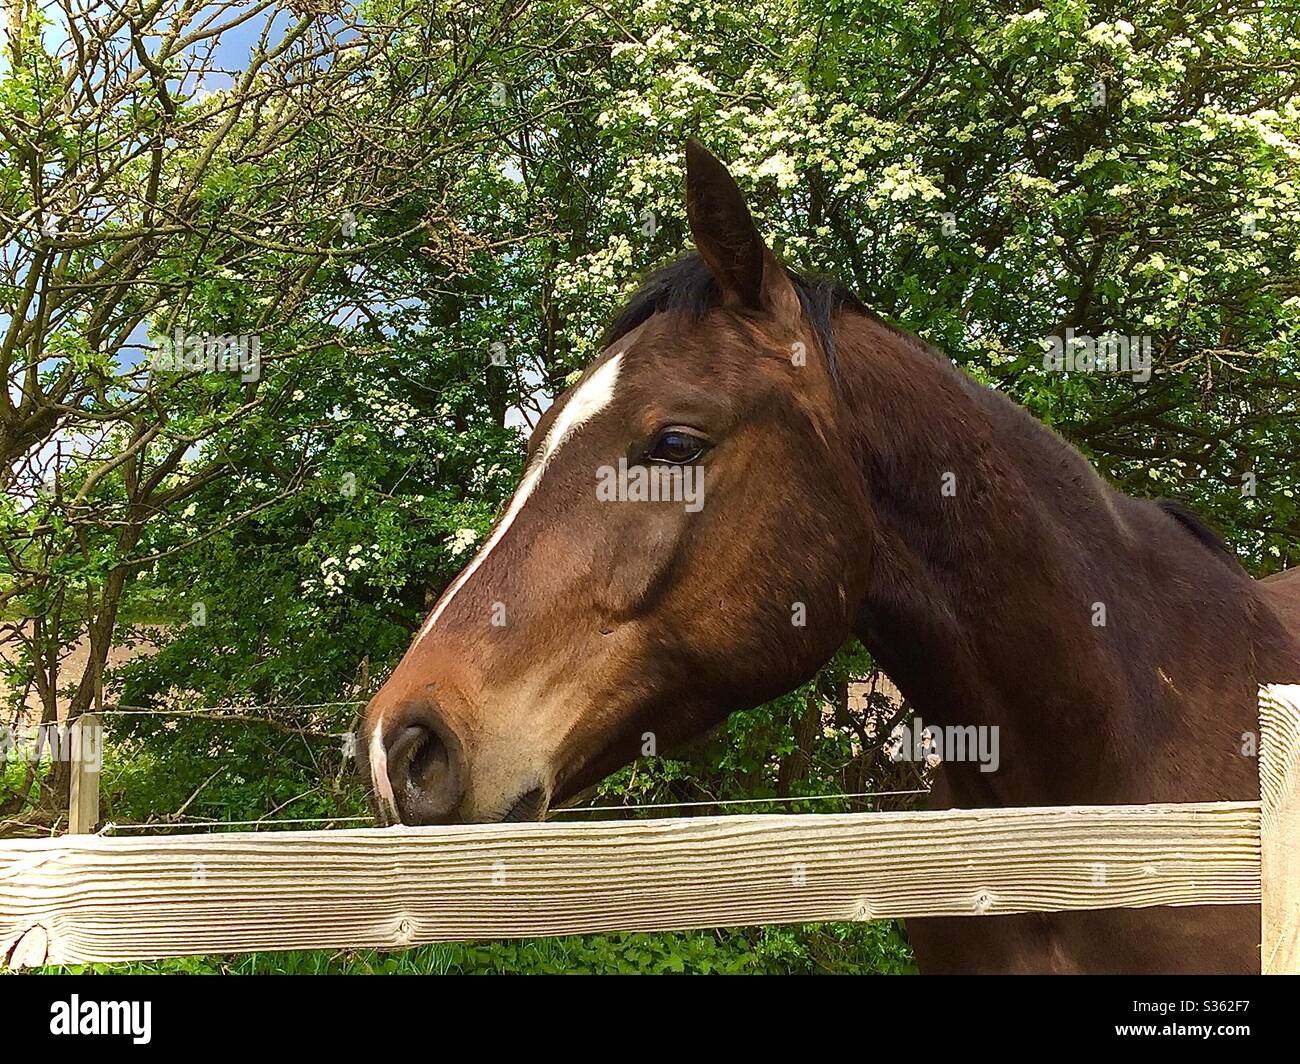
<point x="1011" y="587"/>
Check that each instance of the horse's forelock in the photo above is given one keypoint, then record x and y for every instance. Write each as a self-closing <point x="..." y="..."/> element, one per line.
<point x="686" y="286"/>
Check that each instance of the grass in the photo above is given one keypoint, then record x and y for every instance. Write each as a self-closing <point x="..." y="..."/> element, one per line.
<point x="872" y="948"/>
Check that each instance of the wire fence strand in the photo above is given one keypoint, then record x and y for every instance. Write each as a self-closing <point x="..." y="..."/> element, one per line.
<point x="735" y="801"/>
<point x="111" y="828"/>
<point x="241" y="714"/>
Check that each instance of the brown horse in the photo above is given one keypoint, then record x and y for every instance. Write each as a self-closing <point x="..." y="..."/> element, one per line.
<point x="856" y="485"/>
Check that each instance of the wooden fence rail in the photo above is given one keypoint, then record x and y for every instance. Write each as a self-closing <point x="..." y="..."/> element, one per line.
<point x="91" y="898"/>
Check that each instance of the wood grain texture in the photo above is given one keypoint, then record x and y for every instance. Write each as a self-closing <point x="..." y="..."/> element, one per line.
<point x="1279" y="788"/>
<point x="91" y="898"/>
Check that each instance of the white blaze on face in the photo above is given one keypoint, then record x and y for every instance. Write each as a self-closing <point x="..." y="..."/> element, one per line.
<point x="379" y="769"/>
<point x="595" y="393"/>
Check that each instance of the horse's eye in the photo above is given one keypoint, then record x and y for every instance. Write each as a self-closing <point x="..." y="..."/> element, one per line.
<point x="676" y="447"/>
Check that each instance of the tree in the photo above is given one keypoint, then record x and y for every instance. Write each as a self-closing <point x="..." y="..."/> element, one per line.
<point x="182" y="249"/>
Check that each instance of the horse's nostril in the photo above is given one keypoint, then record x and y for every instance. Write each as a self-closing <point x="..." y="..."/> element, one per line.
<point x="425" y="768"/>
<point x="428" y="759"/>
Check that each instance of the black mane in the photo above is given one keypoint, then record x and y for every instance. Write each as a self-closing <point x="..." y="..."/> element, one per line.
<point x="1198" y="527"/>
<point x="686" y="285"/>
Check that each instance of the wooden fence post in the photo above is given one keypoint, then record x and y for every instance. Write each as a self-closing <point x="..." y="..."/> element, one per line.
<point x="87" y="752"/>
<point x="1279" y="830"/>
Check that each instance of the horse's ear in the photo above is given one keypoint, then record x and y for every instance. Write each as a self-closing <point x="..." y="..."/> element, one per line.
<point x="727" y="239"/>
